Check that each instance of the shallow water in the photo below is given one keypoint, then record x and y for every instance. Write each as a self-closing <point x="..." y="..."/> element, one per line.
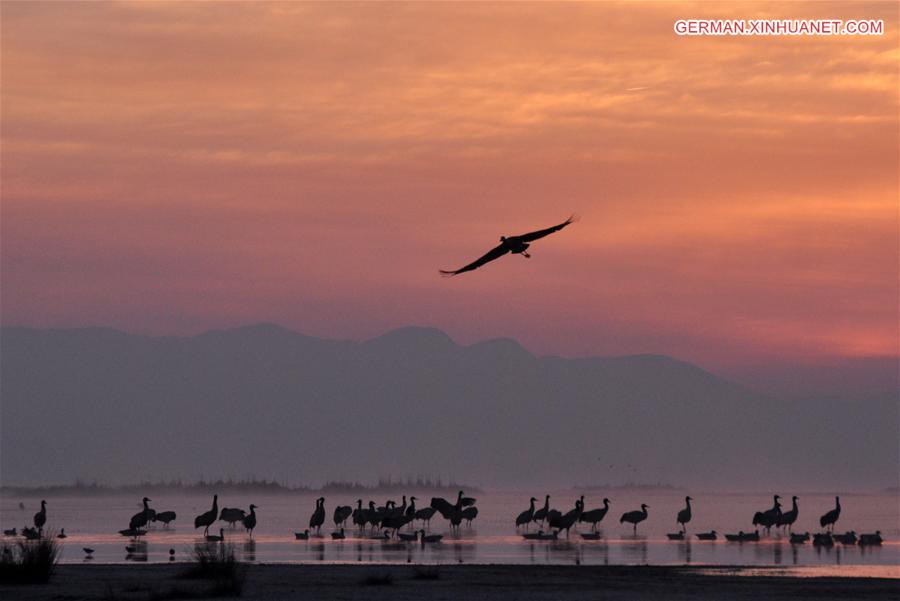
<point x="94" y="521"/>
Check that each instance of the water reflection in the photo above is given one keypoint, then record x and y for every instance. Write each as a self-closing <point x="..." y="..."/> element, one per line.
<point x="136" y="551"/>
<point x="250" y="550"/>
<point x="318" y="549"/>
<point x="635" y="549"/>
<point x="684" y="551"/>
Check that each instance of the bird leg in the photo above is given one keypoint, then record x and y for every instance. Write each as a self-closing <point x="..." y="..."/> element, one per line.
<point x="526" y="255"/>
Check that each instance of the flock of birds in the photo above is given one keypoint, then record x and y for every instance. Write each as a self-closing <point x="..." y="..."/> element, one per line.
<point x="387" y="522"/>
<point x="773" y="517"/>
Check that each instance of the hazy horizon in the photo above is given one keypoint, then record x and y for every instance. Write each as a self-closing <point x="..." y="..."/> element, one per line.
<point x="268" y="402"/>
<point x="834" y="375"/>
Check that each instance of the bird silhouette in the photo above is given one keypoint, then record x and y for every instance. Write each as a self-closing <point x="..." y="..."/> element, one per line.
<point x="40" y="518"/>
<point x="341" y="513"/>
<point x="140" y="519"/>
<point x="684" y="516"/>
<point x="635" y="517"/>
<point x="232" y="515"/>
<point x="409" y="537"/>
<point x="509" y="244"/>
<point x="540" y="515"/>
<point x="430" y="538"/>
<point x="870" y="539"/>
<point x="526" y="516"/>
<point x="770" y="517"/>
<point x="595" y="516"/>
<point x="425" y="514"/>
<point x="711" y="535"/>
<point x="567" y="520"/>
<point x="318" y="516"/>
<point x="164" y="516"/>
<point x="832" y="516"/>
<point x="249" y="520"/>
<point x="799" y="539"/>
<point x="206" y="519"/>
<point x="789" y="517"/>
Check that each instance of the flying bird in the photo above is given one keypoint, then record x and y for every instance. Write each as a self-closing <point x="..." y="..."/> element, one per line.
<point x="510" y="244"/>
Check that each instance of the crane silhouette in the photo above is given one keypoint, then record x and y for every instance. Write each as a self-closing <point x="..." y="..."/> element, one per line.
<point x="595" y="516"/>
<point x="526" y="516"/>
<point x="249" y="520"/>
<point x="509" y="244"/>
<point x="770" y="517"/>
<point x="635" y="517"/>
<point x="140" y="519"/>
<point x="207" y="519"/>
<point x="341" y="513"/>
<point x="567" y="520"/>
<point x="684" y="516"/>
<point x="789" y="517"/>
<point x="541" y="514"/>
<point x="318" y="516"/>
<point x="40" y="518"/>
<point x="832" y="516"/>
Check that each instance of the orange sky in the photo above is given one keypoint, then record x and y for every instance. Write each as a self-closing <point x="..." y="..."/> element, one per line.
<point x="171" y="167"/>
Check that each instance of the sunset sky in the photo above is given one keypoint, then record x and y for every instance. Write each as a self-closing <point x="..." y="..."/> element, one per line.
<point x="173" y="167"/>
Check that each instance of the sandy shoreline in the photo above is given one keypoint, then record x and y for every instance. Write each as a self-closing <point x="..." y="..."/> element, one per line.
<point x="146" y="582"/>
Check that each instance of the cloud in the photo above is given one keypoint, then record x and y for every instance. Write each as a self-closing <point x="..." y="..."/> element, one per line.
<point x="314" y="164"/>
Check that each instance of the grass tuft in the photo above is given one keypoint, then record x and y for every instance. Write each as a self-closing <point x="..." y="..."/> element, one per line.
<point x="217" y="562"/>
<point x="29" y="562"/>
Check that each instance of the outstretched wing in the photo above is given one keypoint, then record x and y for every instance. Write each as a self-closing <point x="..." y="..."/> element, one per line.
<point x="541" y="233"/>
<point x="495" y="253"/>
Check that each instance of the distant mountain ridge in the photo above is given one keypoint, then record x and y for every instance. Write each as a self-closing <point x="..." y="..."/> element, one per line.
<point x="268" y="402"/>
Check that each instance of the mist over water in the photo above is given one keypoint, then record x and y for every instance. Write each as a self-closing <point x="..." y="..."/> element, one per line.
<point x="93" y="521"/>
<point x="264" y="400"/>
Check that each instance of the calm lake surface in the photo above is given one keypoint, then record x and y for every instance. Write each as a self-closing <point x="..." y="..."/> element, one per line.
<point x="94" y="521"/>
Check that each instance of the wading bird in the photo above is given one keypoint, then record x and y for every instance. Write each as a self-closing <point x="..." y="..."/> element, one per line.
<point x="789" y="517"/>
<point x="232" y="515"/>
<point x="684" y="516"/>
<point x="510" y="244"/>
<point x="140" y="519"/>
<point x="635" y="517"/>
<point x="595" y="516"/>
<point x="206" y="519"/>
<point x="540" y="515"/>
<point x="341" y="513"/>
<point x="165" y="517"/>
<point x="40" y="518"/>
<point x="318" y="516"/>
<point x="832" y="516"/>
<point x="770" y="517"/>
<point x="567" y="520"/>
<point x="249" y="520"/>
<point x="526" y="516"/>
